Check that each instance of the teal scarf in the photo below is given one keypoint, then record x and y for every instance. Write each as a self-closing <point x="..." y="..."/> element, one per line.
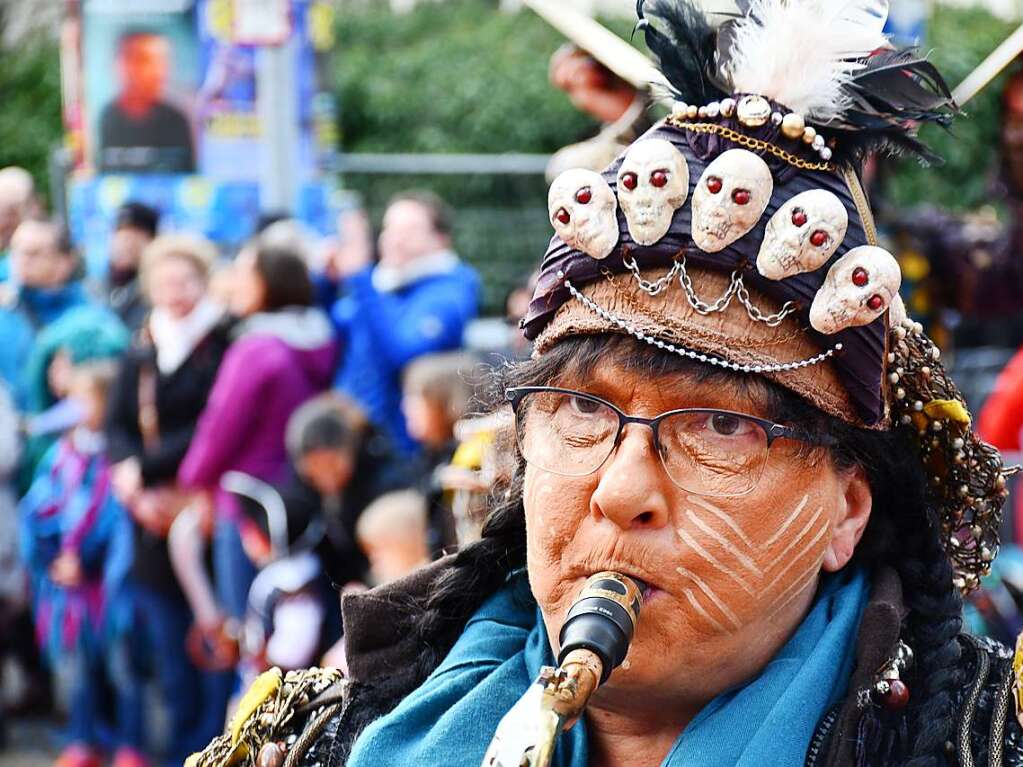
<point x="451" y="717"/>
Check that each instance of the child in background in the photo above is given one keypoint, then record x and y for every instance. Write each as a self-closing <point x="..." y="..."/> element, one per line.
<point x="393" y="534"/>
<point x="76" y="542"/>
<point x="436" y="393"/>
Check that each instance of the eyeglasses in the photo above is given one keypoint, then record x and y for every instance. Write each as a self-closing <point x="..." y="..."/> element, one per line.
<point x="704" y="451"/>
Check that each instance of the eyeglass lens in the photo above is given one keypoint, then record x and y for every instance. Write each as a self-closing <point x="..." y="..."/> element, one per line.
<point x="707" y="452"/>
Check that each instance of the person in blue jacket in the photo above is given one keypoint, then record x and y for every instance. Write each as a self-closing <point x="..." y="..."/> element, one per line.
<point x="42" y="288"/>
<point x="417" y="300"/>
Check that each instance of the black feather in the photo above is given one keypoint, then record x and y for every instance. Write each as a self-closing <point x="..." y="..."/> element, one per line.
<point x="683" y="42"/>
<point x="890" y="97"/>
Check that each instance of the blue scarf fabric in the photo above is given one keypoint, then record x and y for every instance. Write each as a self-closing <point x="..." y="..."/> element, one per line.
<point x="451" y="717"/>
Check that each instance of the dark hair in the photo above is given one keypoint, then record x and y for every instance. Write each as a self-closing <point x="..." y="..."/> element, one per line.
<point x="286" y="277"/>
<point x="136" y="215"/>
<point x="328" y="422"/>
<point x="903" y="533"/>
<point x="441" y="216"/>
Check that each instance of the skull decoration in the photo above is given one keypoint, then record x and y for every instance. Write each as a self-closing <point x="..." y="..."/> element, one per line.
<point x="732" y="195"/>
<point x="804" y="233"/>
<point x="859" y="287"/>
<point x="582" y="209"/>
<point x="653" y="182"/>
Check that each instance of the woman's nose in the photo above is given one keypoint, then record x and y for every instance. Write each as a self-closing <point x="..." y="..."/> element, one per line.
<point x="632" y="489"/>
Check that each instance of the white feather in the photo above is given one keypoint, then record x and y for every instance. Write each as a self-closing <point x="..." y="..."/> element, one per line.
<point x="801" y="53"/>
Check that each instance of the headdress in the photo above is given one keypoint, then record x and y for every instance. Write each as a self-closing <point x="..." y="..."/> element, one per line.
<point x="736" y="232"/>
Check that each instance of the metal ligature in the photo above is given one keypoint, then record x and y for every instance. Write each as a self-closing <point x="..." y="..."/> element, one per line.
<point x="594" y="641"/>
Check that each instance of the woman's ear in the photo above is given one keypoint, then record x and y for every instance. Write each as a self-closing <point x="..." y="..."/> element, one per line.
<point x="852" y="515"/>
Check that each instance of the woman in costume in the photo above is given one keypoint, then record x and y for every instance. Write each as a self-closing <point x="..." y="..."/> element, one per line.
<point x="728" y="407"/>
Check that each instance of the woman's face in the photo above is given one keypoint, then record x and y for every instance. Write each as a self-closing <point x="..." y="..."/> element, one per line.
<point x="248" y="293"/>
<point x="175" y="286"/>
<point x="730" y="577"/>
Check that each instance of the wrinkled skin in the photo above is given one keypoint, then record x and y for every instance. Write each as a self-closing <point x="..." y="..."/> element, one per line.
<point x="732" y="577"/>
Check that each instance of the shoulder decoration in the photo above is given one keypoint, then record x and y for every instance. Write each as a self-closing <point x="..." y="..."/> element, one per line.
<point x="265" y="729"/>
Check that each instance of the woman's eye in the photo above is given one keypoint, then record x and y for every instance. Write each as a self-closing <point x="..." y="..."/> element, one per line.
<point x="584" y="406"/>
<point x="728" y="425"/>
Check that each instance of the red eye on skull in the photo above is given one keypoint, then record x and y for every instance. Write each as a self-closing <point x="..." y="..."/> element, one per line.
<point x="860" y="277"/>
<point x="563" y="216"/>
<point x="799" y="217"/>
<point x="714" y="184"/>
<point x="630" y="181"/>
<point x="741" y="196"/>
<point x="819" y="239"/>
<point x="876" y="303"/>
<point x="584" y="195"/>
<point x="659" y="178"/>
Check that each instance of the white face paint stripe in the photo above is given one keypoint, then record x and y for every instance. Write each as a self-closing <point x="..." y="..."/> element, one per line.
<point x="796" y="588"/>
<point x="812" y="542"/>
<point x="780" y="556"/>
<point x="710" y="595"/>
<point x="703" y="613"/>
<point x="698" y="549"/>
<point x="785" y="525"/>
<point x="744" y="560"/>
<point x="697" y="500"/>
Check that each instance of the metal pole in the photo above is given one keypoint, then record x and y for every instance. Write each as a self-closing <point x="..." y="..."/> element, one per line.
<point x="277" y="100"/>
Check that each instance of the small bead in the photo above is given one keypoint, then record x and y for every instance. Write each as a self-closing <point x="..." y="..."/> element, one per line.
<point x="826" y="154"/>
<point x="584" y="195"/>
<point x="713" y="109"/>
<point x="679" y="109"/>
<point x="727" y="107"/>
<point x="897" y="697"/>
<point x="701" y="112"/>
<point x="819" y="239"/>
<point x="659" y="178"/>
<point x="692" y="111"/>
<point x="563" y="216"/>
<point x="776" y="118"/>
<point x="875" y="303"/>
<point x="742" y="196"/>
<point x="818" y="142"/>
<point x="809" y="134"/>
<point x="893" y="378"/>
<point x="714" y="185"/>
<point x="900" y="393"/>
<point x="792" y="126"/>
<point x="799" y="217"/>
<point x="630" y="181"/>
<point x="270" y="755"/>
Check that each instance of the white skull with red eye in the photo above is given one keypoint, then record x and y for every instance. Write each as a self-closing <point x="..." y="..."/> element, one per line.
<point x="804" y="233"/>
<point x="653" y="182"/>
<point x="732" y="195"/>
<point x="582" y="209"/>
<point x="859" y="288"/>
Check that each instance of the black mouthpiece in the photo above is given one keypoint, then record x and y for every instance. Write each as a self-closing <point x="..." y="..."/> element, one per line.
<point x="603" y="620"/>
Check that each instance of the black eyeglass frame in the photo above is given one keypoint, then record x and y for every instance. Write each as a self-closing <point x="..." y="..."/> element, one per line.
<point x="774" y="431"/>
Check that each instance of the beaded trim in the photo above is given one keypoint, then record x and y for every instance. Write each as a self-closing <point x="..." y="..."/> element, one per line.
<point x="604" y="314"/>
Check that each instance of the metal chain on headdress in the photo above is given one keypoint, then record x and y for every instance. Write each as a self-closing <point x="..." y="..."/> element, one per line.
<point x="637" y="333"/>
<point x="771" y="320"/>
<point x="699" y="306"/>
<point x="966" y="480"/>
<point x="751" y="143"/>
<point x="656" y="287"/>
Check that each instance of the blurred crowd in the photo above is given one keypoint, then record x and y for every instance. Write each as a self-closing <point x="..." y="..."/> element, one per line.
<point x="200" y="452"/>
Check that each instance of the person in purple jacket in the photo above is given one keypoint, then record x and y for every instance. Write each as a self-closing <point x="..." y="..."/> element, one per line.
<point x="282" y="353"/>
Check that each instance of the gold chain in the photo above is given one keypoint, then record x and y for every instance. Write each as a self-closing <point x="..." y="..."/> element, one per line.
<point x="751" y="143"/>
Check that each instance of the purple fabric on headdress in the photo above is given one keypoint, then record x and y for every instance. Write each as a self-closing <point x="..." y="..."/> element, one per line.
<point x="860" y="363"/>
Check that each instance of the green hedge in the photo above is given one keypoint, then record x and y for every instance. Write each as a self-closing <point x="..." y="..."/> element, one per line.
<point x="30" y="118"/>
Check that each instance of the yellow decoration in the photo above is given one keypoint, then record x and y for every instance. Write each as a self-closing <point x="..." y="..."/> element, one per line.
<point x="948" y="409"/>
<point x="915" y="265"/>
<point x="469" y="454"/>
<point x="321" y="26"/>
<point x="193" y="760"/>
<point x="220" y="20"/>
<point x="266" y="686"/>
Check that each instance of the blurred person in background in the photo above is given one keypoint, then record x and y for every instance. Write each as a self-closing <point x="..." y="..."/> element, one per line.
<point x="16" y="196"/>
<point x="161" y="388"/>
<point x="336" y="454"/>
<point x="139" y="130"/>
<point x="44" y="285"/>
<point x="437" y="392"/>
<point x="417" y="300"/>
<point x="393" y="534"/>
<point x="134" y="228"/>
<point x="76" y="541"/>
<point x="282" y="353"/>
